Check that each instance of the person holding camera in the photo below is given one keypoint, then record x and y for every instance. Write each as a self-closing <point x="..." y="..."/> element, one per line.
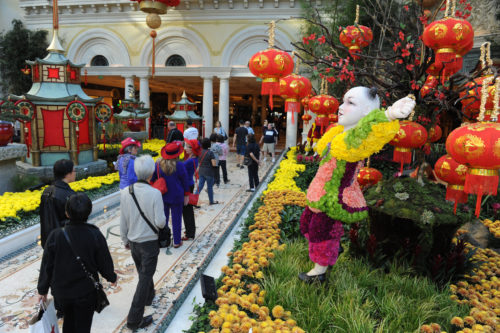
<point x="138" y="236"/>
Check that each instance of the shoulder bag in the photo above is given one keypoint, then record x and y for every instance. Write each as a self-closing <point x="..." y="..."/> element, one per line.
<point x="193" y="197"/>
<point x="102" y="299"/>
<point x="160" y="182"/>
<point x="164" y="235"/>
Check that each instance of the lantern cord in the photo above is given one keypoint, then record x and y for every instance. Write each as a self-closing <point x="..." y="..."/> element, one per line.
<point x="55" y="15"/>
<point x="153" y="60"/>
<point x="447" y="10"/>
<point x="104" y="137"/>
<point x="357" y="15"/>
<point x="453" y="6"/>
<point x="85" y="77"/>
<point x="496" y="98"/>
<point x="272" y="26"/>
<point x="484" y="97"/>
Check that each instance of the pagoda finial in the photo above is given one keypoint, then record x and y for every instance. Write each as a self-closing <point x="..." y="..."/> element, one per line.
<point x="55" y="45"/>
<point x="184" y="94"/>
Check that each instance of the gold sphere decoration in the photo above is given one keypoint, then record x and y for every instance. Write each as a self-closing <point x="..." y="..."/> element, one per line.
<point x="153" y="20"/>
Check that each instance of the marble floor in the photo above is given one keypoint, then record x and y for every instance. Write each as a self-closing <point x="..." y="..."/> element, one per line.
<point x="177" y="269"/>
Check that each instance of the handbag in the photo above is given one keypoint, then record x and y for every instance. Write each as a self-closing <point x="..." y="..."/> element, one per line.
<point x="101" y="299"/>
<point x="164" y="234"/>
<point x="160" y="182"/>
<point x="193" y="198"/>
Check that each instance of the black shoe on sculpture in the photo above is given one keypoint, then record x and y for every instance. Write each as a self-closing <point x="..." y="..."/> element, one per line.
<point x="313" y="278"/>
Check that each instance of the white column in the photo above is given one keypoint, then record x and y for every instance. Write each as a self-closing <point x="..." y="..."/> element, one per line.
<point x="291" y="129"/>
<point x="144" y="96"/>
<point x="129" y="82"/>
<point x="224" y="102"/>
<point x="208" y="105"/>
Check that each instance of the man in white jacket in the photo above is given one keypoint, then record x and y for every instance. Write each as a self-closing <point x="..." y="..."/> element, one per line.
<point x="139" y="237"/>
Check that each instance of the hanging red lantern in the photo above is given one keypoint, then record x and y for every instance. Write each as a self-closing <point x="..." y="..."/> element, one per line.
<point x="430" y="84"/>
<point x="368" y="176"/>
<point x="306" y="118"/>
<point x="355" y="37"/>
<point x="323" y="105"/>
<point x="76" y="112"/>
<point x="305" y="102"/>
<point x="435" y="133"/>
<point x="472" y="101"/>
<point x="293" y="88"/>
<point x="270" y="65"/>
<point x="333" y="118"/>
<point x="453" y="173"/>
<point x="449" y="37"/>
<point x="411" y="135"/>
<point x="103" y="113"/>
<point x="477" y="146"/>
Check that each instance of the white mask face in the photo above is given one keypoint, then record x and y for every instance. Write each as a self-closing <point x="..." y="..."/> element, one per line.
<point x="356" y="104"/>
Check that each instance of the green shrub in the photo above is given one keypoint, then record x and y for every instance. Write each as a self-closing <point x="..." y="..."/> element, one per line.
<point x="22" y="183"/>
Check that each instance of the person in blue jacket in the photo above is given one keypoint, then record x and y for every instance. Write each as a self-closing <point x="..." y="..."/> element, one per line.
<point x="177" y="196"/>
<point x="125" y="163"/>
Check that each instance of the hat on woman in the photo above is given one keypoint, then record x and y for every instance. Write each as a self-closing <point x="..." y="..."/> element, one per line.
<point x="195" y="146"/>
<point x="129" y="142"/>
<point x="172" y="150"/>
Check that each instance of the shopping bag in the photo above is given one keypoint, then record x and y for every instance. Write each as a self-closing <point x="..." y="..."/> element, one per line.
<point x="47" y="319"/>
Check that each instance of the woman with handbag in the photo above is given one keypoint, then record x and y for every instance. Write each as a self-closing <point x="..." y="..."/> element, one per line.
<point x="140" y="238"/>
<point x="176" y="177"/>
<point x="206" y="170"/>
<point x="73" y="282"/>
<point x="252" y="162"/>
<point x="191" y="151"/>
<point x="125" y="163"/>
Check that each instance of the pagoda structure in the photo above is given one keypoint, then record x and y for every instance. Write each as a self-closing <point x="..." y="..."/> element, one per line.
<point x="184" y="111"/>
<point x="63" y="117"/>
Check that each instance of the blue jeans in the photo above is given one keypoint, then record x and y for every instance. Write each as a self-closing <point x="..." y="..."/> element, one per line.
<point x="210" y="187"/>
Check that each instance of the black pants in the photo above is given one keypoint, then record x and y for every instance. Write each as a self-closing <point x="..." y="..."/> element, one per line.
<point x="78" y="313"/>
<point x="253" y="175"/>
<point x="145" y="257"/>
<point x="217" y="175"/>
<point x="188" y="217"/>
<point x="222" y="164"/>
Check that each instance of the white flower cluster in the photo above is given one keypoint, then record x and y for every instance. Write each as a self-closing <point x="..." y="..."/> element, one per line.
<point x="402" y="196"/>
<point x="427" y="217"/>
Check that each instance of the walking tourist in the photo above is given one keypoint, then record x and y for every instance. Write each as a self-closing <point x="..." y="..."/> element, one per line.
<point x="138" y="236"/>
<point x="125" y="162"/>
<point x="269" y="137"/>
<point x="173" y="133"/>
<point x="192" y="152"/>
<point x="191" y="133"/>
<point x="73" y="290"/>
<point x="219" y="130"/>
<point x="175" y="175"/>
<point x="239" y="139"/>
<point x="264" y="126"/>
<point x="54" y="197"/>
<point x="249" y="129"/>
<point x="217" y="150"/>
<point x="223" y="158"/>
<point x="253" y="152"/>
<point x="206" y="170"/>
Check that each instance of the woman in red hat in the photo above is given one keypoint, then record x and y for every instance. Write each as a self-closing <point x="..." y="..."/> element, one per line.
<point x="192" y="150"/>
<point x="175" y="174"/>
<point x="125" y="163"/>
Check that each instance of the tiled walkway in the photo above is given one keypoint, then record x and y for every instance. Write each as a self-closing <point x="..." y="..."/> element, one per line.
<point x="176" y="267"/>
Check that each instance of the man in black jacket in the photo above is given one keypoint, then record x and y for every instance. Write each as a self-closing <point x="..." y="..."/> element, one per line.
<point x="173" y="133"/>
<point x="54" y="197"/>
<point x="73" y="290"/>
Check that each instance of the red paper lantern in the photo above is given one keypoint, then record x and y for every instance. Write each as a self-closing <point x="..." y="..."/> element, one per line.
<point x="435" y="133"/>
<point x="305" y="102"/>
<point x="448" y="38"/>
<point x="293" y="88"/>
<point x="323" y="105"/>
<point x="477" y="146"/>
<point x="368" y="176"/>
<point x="355" y="38"/>
<point x="452" y="172"/>
<point x="471" y="104"/>
<point x="430" y="84"/>
<point x="306" y="118"/>
<point x="411" y="135"/>
<point x="333" y="118"/>
<point x="270" y="65"/>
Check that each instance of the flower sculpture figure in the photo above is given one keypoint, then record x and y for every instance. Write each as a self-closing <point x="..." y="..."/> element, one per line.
<point x="334" y="196"/>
